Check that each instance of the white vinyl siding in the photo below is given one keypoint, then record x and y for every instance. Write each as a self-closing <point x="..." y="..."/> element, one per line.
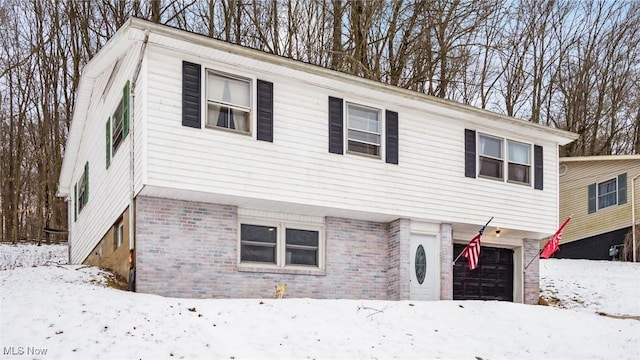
<point x="297" y="170"/>
<point x="109" y="188"/>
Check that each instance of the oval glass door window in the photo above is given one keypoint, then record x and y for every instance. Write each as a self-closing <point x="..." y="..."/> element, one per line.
<point x="421" y="264"/>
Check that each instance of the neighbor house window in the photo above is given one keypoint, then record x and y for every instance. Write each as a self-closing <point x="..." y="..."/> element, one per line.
<point x="228" y="102"/>
<point x="491" y="156"/>
<point x="607" y="194"/>
<point x="519" y="162"/>
<point x="363" y="130"/>
<point x="280" y="245"/>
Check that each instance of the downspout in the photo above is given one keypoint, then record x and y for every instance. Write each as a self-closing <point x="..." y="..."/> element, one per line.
<point x="633" y="217"/>
<point x="132" y="159"/>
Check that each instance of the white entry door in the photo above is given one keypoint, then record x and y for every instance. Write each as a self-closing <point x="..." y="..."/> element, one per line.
<point x="424" y="267"/>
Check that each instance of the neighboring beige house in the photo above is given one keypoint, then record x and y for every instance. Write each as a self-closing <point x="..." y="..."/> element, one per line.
<point x="599" y="192"/>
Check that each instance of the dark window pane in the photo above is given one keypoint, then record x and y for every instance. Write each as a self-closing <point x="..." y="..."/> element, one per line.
<point x="266" y="234"/>
<point x="491" y="167"/>
<point x="607" y="194"/>
<point x="302" y="237"/>
<point x="364" y="148"/>
<point x="519" y="173"/>
<point x="302" y="257"/>
<point x="258" y="253"/>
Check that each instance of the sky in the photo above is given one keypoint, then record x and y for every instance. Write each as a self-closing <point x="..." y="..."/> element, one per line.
<point x="59" y="311"/>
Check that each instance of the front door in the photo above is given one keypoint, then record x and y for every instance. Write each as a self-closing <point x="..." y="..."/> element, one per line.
<point x="424" y="267"/>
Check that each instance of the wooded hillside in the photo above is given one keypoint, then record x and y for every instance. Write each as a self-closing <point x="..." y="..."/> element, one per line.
<point x="568" y="64"/>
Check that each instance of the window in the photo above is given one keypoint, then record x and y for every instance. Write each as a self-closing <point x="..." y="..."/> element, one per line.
<point x="258" y="243"/>
<point x="228" y="102"/>
<point x="519" y="162"/>
<point x="363" y="130"/>
<point x="81" y="190"/>
<point x="607" y="194"/>
<point x="119" y="235"/>
<point x="118" y="128"/>
<point x="301" y="247"/>
<point x="280" y="245"/>
<point x="491" y="158"/>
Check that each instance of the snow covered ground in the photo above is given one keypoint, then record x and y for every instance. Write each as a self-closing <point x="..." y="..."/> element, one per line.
<point x="66" y="312"/>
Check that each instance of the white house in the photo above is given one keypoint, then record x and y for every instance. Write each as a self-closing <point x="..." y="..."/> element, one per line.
<point x="216" y="170"/>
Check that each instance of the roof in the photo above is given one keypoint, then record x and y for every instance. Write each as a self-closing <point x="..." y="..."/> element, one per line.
<point x="600" y="158"/>
<point x="132" y="31"/>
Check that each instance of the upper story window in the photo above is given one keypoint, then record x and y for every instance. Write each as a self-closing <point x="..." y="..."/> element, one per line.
<point x="493" y="156"/>
<point x="607" y="194"/>
<point x="363" y="130"/>
<point x="491" y="159"/>
<point x="490" y="156"/>
<point x="360" y="128"/>
<point x="117" y="126"/>
<point x="117" y="133"/>
<point x="81" y="191"/>
<point x="280" y="244"/>
<point x="228" y="102"/>
<point x="519" y="162"/>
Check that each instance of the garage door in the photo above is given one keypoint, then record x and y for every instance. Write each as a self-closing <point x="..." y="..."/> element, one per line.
<point x="491" y="280"/>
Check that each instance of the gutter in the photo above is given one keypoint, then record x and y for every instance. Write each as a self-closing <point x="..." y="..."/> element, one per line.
<point x="633" y="217"/>
<point x="132" y="150"/>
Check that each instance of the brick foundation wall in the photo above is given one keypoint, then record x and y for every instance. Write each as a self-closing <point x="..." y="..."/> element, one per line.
<point x="532" y="273"/>
<point x="398" y="269"/>
<point x="189" y="249"/>
<point x="446" y="262"/>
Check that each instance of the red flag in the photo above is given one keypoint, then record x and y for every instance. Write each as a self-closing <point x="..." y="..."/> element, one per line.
<point x="553" y="245"/>
<point x="472" y="251"/>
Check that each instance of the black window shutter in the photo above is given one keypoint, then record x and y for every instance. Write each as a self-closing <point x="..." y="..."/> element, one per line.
<point x="265" y="111"/>
<point x="391" y="133"/>
<point x="622" y="189"/>
<point x="592" y="198"/>
<point x="469" y="153"/>
<point x="191" y="94"/>
<point x="336" y="131"/>
<point x="538" y="167"/>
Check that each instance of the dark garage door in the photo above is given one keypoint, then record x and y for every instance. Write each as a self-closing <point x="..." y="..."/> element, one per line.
<point x="491" y="280"/>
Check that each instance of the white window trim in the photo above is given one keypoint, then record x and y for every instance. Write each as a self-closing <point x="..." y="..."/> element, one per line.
<point x="115" y="148"/>
<point x="345" y="125"/>
<point x="505" y="160"/>
<point x="598" y="208"/>
<point x="119" y="234"/>
<point x="252" y="101"/>
<point x="280" y="265"/>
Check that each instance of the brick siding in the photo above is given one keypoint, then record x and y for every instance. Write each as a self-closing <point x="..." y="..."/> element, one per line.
<point x="446" y="262"/>
<point x="189" y="249"/>
<point x="532" y="273"/>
